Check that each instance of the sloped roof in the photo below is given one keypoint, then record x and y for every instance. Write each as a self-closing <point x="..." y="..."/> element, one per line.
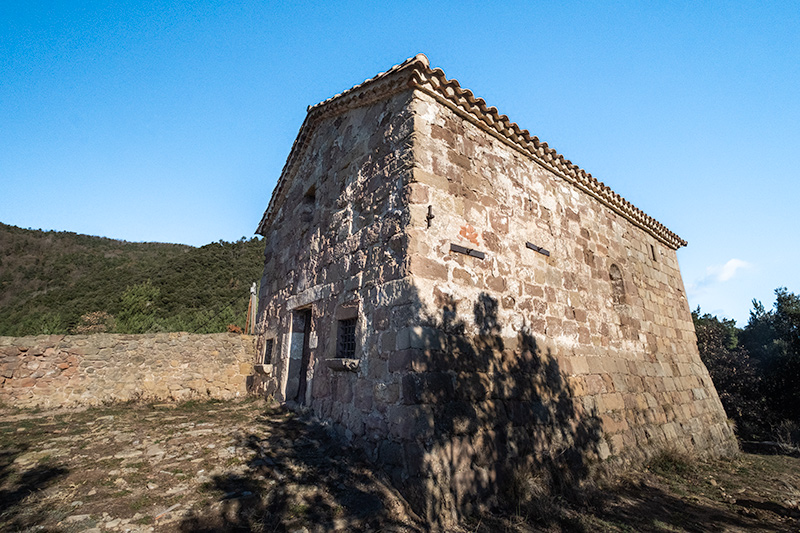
<point x="416" y="73"/>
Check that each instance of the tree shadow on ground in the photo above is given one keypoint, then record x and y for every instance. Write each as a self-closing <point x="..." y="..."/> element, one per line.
<point x="16" y="486"/>
<point x="643" y="507"/>
<point x="300" y="475"/>
<point x="649" y="508"/>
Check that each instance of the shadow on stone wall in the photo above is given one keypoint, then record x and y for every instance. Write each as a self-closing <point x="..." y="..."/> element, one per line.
<point x="502" y="427"/>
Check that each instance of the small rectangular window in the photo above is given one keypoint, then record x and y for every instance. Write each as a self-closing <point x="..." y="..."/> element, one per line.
<point x="308" y="205"/>
<point x="310" y="197"/>
<point x="653" y="251"/>
<point x="268" y="346"/>
<point x="346" y="346"/>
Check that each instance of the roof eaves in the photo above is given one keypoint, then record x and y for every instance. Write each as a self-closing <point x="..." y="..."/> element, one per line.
<point x="463" y="102"/>
<point x="418" y="74"/>
<point x="384" y="84"/>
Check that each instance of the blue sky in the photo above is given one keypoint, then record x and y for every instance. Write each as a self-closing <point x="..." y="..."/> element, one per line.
<point x="171" y="121"/>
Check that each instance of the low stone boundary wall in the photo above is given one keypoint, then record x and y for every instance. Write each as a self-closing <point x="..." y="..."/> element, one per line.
<point x="70" y="370"/>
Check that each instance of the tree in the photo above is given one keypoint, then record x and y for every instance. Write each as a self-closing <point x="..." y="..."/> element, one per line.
<point x="138" y="308"/>
<point x="734" y="373"/>
<point x="773" y="338"/>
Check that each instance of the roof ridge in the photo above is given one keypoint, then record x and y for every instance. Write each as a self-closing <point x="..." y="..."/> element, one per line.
<point x="464" y="102"/>
<point x="419" y="59"/>
<point x="380" y="86"/>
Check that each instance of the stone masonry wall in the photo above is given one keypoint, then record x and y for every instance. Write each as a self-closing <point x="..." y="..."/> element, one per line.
<point x="59" y="370"/>
<point x="335" y="250"/>
<point x="523" y="360"/>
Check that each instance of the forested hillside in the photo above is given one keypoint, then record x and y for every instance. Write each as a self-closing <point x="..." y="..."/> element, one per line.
<point x="63" y="282"/>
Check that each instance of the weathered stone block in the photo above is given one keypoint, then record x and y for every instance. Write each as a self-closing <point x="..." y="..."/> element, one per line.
<point x="386" y="393"/>
<point x="403" y="360"/>
<point x="475" y="386"/>
<point x="427" y="387"/>
<point x="391" y="453"/>
<point x="409" y="422"/>
<point x="429" y="179"/>
<point x="427" y="268"/>
<point x="420" y="338"/>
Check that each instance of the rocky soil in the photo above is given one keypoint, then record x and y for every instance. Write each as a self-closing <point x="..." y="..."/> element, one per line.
<point x="251" y="466"/>
<point x="241" y="465"/>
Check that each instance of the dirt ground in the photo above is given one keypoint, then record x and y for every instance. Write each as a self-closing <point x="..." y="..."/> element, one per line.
<point x="251" y="466"/>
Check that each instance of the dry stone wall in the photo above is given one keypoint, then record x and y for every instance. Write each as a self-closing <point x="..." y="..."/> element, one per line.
<point x="58" y="370"/>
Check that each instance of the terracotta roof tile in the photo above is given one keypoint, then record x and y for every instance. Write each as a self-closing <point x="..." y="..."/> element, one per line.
<point x="416" y="73"/>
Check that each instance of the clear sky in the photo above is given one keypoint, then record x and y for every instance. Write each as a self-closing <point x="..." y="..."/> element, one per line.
<point x="170" y="121"/>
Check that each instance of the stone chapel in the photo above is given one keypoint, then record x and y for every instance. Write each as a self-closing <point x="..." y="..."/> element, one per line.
<point x="461" y="302"/>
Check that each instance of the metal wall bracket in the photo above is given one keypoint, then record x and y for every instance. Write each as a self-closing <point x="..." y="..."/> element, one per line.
<point x="466" y="251"/>
<point x="430" y="215"/>
<point x="537" y="249"/>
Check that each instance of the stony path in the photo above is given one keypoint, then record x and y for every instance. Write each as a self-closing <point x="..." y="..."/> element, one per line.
<point x="237" y="466"/>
